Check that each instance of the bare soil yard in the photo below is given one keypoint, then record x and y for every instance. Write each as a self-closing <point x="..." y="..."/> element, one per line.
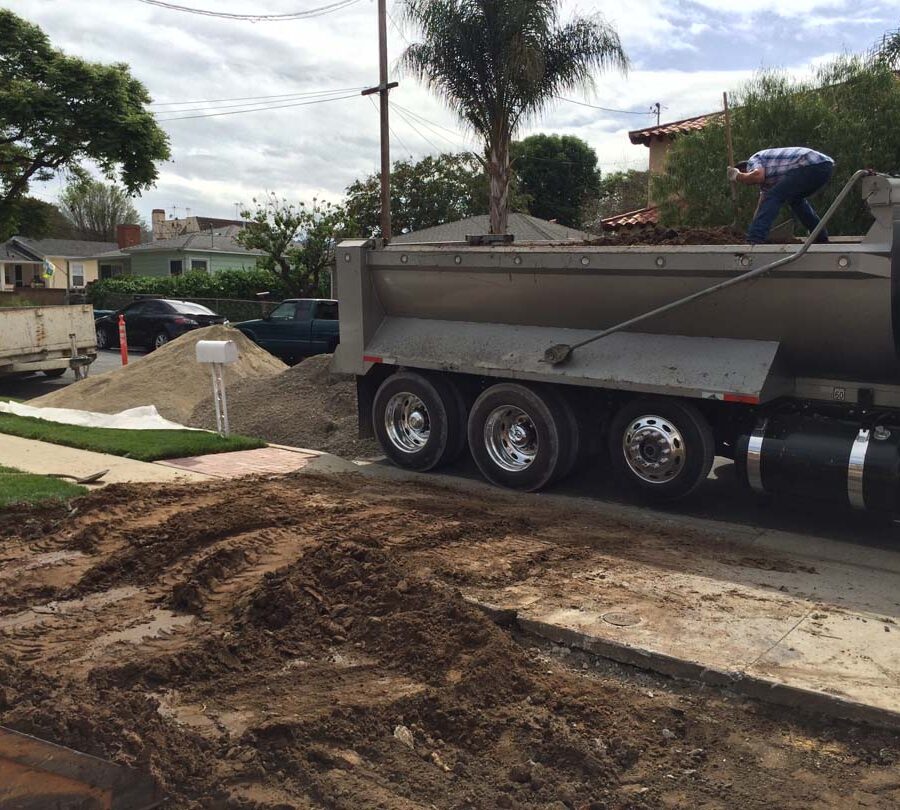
<point x="300" y="642"/>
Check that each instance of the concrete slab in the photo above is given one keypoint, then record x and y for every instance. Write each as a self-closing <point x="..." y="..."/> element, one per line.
<point x="825" y="636"/>
<point x="43" y="458"/>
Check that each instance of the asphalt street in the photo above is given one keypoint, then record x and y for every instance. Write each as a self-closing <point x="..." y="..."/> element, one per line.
<point x="30" y="386"/>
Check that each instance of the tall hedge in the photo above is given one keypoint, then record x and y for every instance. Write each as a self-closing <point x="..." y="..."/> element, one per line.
<point x="236" y="284"/>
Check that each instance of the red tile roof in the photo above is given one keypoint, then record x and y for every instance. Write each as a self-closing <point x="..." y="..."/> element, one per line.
<point x="670" y="130"/>
<point x="643" y="216"/>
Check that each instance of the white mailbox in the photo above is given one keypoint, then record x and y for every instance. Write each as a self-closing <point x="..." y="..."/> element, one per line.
<point x="217" y="354"/>
<point x="217" y="351"/>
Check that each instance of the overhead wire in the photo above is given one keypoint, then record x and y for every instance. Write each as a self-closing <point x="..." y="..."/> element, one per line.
<point x="217" y="108"/>
<point x="288" y="96"/>
<point x="605" y="109"/>
<point x="418" y="131"/>
<point x="391" y="129"/>
<point x="256" y="109"/>
<point x="318" y="11"/>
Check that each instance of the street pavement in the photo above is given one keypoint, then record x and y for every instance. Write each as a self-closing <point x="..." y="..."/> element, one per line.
<point x="30" y="386"/>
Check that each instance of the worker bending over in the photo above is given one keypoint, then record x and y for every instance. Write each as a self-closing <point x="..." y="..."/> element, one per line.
<point x="786" y="175"/>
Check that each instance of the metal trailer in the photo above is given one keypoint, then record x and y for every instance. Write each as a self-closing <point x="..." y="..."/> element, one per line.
<point x="794" y="374"/>
<point x="49" y="339"/>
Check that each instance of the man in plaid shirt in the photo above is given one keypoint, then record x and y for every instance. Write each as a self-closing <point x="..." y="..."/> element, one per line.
<point x="786" y="175"/>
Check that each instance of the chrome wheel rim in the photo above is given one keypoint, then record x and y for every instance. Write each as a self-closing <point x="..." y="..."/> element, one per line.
<point x="407" y="422"/>
<point x="511" y="438"/>
<point x="161" y="340"/>
<point x="101" y="338"/>
<point x="654" y="449"/>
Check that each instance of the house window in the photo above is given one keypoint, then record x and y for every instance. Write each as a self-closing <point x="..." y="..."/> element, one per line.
<point x="110" y="270"/>
<point x="200" y="264"/>
<point x="76" y="274"/>
<point x="176" y="267"/>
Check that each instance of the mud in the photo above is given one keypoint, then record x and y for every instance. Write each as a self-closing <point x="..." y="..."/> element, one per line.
<point x="301" y="642"/>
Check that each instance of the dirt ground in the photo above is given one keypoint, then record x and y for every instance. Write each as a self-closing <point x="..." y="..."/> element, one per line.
<point x="301" y="642"/>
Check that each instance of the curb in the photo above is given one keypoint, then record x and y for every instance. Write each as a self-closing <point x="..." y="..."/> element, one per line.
<point x="752" y="686"/>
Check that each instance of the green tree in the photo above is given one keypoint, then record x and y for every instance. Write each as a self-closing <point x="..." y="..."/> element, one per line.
<point x="850" y="110"/>
<point x="619" y="192"/>
<point x="95" y="208"/>
<point x="298" y="241"/>
<point x="498" y="65"/>
<point x="429" y="192"/>
<point x="57" y="111"/>
<point x="559" y="175"/>
<point x="35" y="219"/>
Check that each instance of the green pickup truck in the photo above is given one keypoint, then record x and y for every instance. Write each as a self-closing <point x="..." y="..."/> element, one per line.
<point x="296" y="328"/>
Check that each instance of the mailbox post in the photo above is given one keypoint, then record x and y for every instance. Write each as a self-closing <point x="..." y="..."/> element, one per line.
<point x="217" y="354"/>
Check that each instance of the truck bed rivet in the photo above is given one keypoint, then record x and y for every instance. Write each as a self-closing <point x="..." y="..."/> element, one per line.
<point x="660" y="261"/>
<point x="843" y="262"/>
<point x="517" y="260"/>
<point x="457" y="259"/>
<point x="404" y="259"/>
<point x="585" y="261"/>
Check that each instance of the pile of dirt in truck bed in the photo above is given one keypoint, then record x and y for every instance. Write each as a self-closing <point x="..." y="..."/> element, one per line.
<point x="294" y="643"/>
<point x="169" y="378"/>
<point x="304" y="406"/>
<point x="657" y="235"/>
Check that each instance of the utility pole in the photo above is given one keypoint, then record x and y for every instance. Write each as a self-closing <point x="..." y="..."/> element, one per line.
<point x="383" y="89"/>
<point x="656" y="108"/>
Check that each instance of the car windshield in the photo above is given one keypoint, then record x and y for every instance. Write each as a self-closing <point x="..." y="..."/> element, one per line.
<point x="187" y="308"/>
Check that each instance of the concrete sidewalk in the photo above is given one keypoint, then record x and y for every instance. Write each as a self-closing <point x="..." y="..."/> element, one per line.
<point x="43" y="458"/>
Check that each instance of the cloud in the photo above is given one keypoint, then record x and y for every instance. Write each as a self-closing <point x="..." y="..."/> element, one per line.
<point x="684" y="54"/>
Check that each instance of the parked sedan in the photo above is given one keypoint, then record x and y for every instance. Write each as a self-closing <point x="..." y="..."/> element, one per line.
<point x="296" y="328"/>
<point x="153" y="322"/>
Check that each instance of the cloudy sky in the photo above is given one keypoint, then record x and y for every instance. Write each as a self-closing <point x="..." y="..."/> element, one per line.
<point x="683" y="52"/>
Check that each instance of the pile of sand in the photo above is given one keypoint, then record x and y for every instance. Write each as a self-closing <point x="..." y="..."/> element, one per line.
<point x="305" y="406"/>
<point x="169" y="378"/>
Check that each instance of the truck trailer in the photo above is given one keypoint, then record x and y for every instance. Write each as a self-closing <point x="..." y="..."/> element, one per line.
<point x="793" y="373"/>
<point x="50" y="339"/>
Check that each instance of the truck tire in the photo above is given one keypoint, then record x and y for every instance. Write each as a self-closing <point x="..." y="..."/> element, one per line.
<point x="521" y="437"/>
<point x="54" y="372"/>
<point x="661" y="449"/>
<point x="420" y="421"/>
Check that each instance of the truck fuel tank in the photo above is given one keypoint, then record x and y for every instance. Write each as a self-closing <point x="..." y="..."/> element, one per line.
<point x="823" y="458"/>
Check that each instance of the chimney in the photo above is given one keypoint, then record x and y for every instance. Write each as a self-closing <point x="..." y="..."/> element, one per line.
<point x="128" y="236"/>
<point x="158" y="218"/>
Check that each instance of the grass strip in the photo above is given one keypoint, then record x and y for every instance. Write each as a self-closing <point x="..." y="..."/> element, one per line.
<point x="20" y="487"/>
<point x="142" y="445"/>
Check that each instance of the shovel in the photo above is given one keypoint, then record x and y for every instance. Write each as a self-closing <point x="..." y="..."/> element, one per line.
<point x="39" y="775"/>
<point x="86" y="479"/>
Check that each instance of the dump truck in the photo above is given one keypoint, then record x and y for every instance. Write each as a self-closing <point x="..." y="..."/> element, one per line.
<point x="784" y="358"/>
<point x="49" y="339"/>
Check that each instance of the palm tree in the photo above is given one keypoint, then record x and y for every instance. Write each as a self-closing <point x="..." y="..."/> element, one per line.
<point x="888" y="49"/>
<point x="499" y="63"/>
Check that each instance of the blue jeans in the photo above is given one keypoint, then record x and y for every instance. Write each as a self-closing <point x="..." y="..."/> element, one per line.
<point x="793" y="189"/>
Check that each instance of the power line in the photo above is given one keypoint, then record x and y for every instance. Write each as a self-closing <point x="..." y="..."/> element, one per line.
<point x="256" y="98"/>
<point x="425" y="123"/>
<point x="396" y="136"/>
<point x="605" y="109"/>
<point x="257" y="109"/>
<point x="418" y="132"/>
<point x="211" y="109"/>
<point x="294" y="15"/>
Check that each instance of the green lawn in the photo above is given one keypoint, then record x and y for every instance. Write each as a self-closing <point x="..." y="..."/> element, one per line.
<point x="143" y="445"/>
<point x="19" y="487"/>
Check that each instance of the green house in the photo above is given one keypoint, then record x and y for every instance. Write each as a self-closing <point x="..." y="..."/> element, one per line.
<point x="206" y="251"/>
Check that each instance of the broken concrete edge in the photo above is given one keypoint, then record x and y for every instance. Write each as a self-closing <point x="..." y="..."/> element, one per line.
<point x="753" y="686"/>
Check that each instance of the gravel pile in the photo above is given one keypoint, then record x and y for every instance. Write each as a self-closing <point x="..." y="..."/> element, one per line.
<point x="169" y="378"/>
<point x="304" y="406"/>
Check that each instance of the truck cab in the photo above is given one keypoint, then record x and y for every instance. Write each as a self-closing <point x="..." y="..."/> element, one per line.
<point x="296" y="328"/>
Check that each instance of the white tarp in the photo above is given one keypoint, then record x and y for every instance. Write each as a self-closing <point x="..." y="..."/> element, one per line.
<point x="145" y="417"/>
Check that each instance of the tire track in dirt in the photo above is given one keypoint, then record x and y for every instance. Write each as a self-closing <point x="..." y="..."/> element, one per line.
<point x="255" y="644"/>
